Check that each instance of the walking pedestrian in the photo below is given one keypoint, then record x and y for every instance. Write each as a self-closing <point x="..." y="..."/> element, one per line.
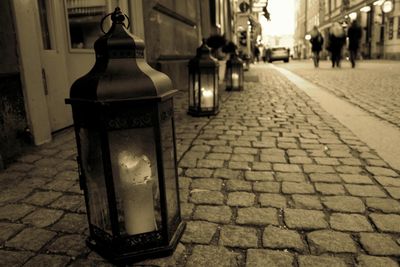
<point x="354" y="33"/>
<point x="337" y="39"/>
<point x="316" y="44"/>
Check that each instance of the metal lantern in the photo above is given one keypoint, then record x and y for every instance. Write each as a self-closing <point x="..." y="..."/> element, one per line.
<point x="203" y="83"/>
<point x="234" y="73"/>
<point x="124" y="126"/>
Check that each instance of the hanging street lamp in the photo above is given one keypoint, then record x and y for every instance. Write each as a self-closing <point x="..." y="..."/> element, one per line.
<point x="203" y="83"/>
<point x="234" y="73"/>
<point x="124" y="126"/>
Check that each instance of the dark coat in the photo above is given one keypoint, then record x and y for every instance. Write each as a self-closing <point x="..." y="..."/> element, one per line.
<point x="317" y="42"/>
<point x="354" y="33"/>
<point x="336" y="43"/>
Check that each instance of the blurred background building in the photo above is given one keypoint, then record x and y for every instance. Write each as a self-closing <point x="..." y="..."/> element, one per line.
<point x="379" y="19"/>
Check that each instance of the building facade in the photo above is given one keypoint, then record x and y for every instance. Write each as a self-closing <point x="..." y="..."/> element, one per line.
<point x="47" y="44"/>
<point x="379" y="19"/>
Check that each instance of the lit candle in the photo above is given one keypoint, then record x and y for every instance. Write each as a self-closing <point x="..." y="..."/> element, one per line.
<point x="137" y="193"/>
<point x="206" y="98"/>
<point x="235" y="80"/>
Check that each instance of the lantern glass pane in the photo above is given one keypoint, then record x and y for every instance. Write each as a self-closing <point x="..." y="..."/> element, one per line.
<point x="92" y="168"/>
<point x="216" y="87"/>
<point x="207" y="90"/>
<point x="235" y="77"/>
<point x="193" y="89"/>
<point x="134" y="167"/>
<point x="168" y="153"/>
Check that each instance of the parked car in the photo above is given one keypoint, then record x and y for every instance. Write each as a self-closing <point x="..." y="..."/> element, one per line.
<point x="277" y="53"/>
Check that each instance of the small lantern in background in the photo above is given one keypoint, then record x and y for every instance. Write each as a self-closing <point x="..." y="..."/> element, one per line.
<point x="124" y="126"/>
<point x="234" y="73"/>
<point x="203" y="83"/>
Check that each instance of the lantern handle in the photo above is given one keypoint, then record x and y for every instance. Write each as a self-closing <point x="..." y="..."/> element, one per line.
<point x="117" y="9"/>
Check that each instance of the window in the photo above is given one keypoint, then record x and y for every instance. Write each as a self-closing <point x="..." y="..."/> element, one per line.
<point x="390" y="29"/>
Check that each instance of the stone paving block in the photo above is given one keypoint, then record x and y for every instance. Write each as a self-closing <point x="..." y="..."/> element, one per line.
<point x="60" y="185"/>
<point x="31" y="239"/>
<point x="330" y="241"/>
<point x="201" y="148"/>
<point x="47" y="172"/>
<point x="238" y="237"/>
<point x="257" y="216"/>
<point x="300" y="160"/>
<point x="350" y="161"/>
<point x="226" y="173"/>
<point x="218" y="156"/>
<point x="394" y="192"/>
<point x="14" y="258"/>
<point x="365" y="190"/>
<point x="261" y="166"/>
<point x="272" y="200"/>
<point x="344" y="204"/>
<point x="349" y="169"/>
<point x="207" y="184"/>
<point x="7" y="230"/>
<point x="186" y="210"/>
<point x="245" y="150"/>
<point x="356" y="179"/>
<point x="304" y="219"/>
<point x="217" y="214"/>
<point x="14" y="194"/>
<point x="211" y="164"/>
<point x="42" y="198"/>
<point x="273" y="158"/>
<point x="43" y="217"/>
<point x="213" y="256"/>
<point x="297" y="188"/>
<point x="327" y="161"/>
<point x="71" y="223"/>
<point x="271" y="258"/>
<point x="380" y="171"/>
<point x="263" y="144"/>
<point x="372" y="261"/>
<point x="350" y="222"/>
<point x="242" y="157"/>
<point x="379" y="244"/>
<point x="242" y="143"/>
<point x="48" y="260"/>
<point x="201" y="173"/>
<point x="238" y="185"/>
<point x="184" y="182"/>
<point x="386" y="222"/>
<point x="278" y="238"/>
<point x="315" y="168"/>
<point x="222" y="149"/>
<point x="325" y="177"/>
<point x="386" y="205"/>
<point x="296" y="153"/>
<point x="307" y="202"/>
<point x="290" y="177"/>
<point x="329" y="189"/>
<point x="29" y="158"/>
<point x="267" y="187"/>
<point x="15" y="212"/>
<point x="72" y="245"/>
<point x="388" y="181"/>
<point x="286" y="167"/>
<point x="241" y="199"/>
<point x="68" y="202"/>
<point x="187" y="162"/>
<point x="206" y="197"/>
<point x="199" y="232"/>
<point x="321" y="261"/>
<point x="236" y="165"/>
<point x="259" y="176"/>
<point x="377" y="162"/>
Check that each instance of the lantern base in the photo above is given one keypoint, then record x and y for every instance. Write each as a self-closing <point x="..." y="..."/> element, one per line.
<point x="196" y="113"/>
<point x="118" y="258"/>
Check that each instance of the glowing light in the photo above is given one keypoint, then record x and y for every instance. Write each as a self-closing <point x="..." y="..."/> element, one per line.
<point x="378" y="3"/>
<point x="387" y="6"/>
<point x="365" y="9"/>
<point x="307" y="37"/>
<point x="353" y="15"/>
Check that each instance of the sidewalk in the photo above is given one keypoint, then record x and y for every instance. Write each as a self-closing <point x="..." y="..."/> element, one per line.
<point x="272" y="180"/>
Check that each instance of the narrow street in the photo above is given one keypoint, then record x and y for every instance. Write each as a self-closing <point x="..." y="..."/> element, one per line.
<point x="272" y="180"/>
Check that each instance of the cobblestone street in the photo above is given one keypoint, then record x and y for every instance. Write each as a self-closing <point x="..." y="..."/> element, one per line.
<point x="272" y="180"/>
<point x="373" y="85"/>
